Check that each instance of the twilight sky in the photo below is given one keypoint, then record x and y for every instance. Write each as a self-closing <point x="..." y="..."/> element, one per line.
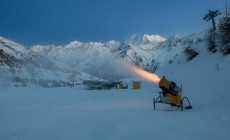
<point x="58" y="22"/>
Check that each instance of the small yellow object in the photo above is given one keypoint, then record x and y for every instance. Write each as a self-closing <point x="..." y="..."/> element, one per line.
<point x="136" y="85"/>
<point x="120" y="86"/>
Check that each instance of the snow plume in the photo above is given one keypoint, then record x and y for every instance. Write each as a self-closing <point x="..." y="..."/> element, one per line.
<point x="145" y="74"/>
<point x="132" y="70"/>
<point x="106" y="66"/>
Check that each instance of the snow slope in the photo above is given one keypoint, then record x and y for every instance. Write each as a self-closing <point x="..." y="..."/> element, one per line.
<point x="76" y="113"/>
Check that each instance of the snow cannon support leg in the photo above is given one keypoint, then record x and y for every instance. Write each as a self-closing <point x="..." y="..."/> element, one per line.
<point x="187" y="106"/>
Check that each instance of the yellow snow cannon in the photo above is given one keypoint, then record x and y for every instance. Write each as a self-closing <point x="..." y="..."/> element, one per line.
<point x="171" y="94"/>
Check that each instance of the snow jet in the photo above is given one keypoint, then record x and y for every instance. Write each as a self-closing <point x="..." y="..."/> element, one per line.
<point x="145" y="74"/>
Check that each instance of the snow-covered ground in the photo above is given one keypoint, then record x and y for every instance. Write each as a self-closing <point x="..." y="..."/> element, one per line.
<point x="76" y="113"/>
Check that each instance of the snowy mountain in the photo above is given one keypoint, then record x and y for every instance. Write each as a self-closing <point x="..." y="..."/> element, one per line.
<point x="98" y="58"/>
<point x="19" y="63"/>
<point x="145" y="39"/>
<point x="104" y="60"/>
<point x="147" y="51"/>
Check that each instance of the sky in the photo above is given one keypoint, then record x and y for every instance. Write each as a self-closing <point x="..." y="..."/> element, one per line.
<point x="58" y="22"/>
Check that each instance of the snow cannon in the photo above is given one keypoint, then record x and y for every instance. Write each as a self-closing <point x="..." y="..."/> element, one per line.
<point x="169" y="87"/>
<point x="171" y="94"/>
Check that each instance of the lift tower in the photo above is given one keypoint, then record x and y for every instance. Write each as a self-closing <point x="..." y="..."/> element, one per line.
<point x="211" y="15"/>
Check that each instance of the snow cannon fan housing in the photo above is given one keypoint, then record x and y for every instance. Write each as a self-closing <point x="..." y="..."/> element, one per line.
<point x="169" y="87"/>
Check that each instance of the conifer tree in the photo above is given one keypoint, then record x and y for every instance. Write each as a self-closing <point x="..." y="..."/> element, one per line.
<point x="211" y="40"/>
<point x="224" y="34"/>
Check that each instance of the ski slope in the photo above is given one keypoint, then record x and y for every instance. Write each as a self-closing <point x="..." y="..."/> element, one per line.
<point x="127" y="114"/>
<point x="115" y="114"/>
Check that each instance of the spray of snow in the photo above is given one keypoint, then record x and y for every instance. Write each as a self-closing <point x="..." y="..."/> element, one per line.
<point x="145" y="74"/>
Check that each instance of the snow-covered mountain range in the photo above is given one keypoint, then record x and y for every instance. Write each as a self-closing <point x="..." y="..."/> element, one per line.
<point x="104" y="60"/>
<point x="20" y="63"/>
<point x="96" y="58"/>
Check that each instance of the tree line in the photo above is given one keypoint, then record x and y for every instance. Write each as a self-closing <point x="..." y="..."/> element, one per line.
<point x="219" y="39"/>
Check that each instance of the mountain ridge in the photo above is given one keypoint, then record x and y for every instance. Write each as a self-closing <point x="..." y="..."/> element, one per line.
<point x="107" y="60"/>
<point x="18" y="62"/>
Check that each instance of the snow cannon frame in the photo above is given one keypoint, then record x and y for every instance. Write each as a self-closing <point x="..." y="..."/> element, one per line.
<point x="185" y="103"/>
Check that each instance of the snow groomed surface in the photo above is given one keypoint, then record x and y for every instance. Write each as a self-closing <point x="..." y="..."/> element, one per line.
<point x="75" y="113"/>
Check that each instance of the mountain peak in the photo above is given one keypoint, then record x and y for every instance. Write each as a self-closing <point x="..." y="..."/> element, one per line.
<point x="144" y="39"/>
<point x="153" y="38"/>
<point x="73" y="44"/>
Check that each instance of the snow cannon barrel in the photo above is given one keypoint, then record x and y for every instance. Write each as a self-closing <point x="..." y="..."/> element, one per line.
<point x="169" y="86"/>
